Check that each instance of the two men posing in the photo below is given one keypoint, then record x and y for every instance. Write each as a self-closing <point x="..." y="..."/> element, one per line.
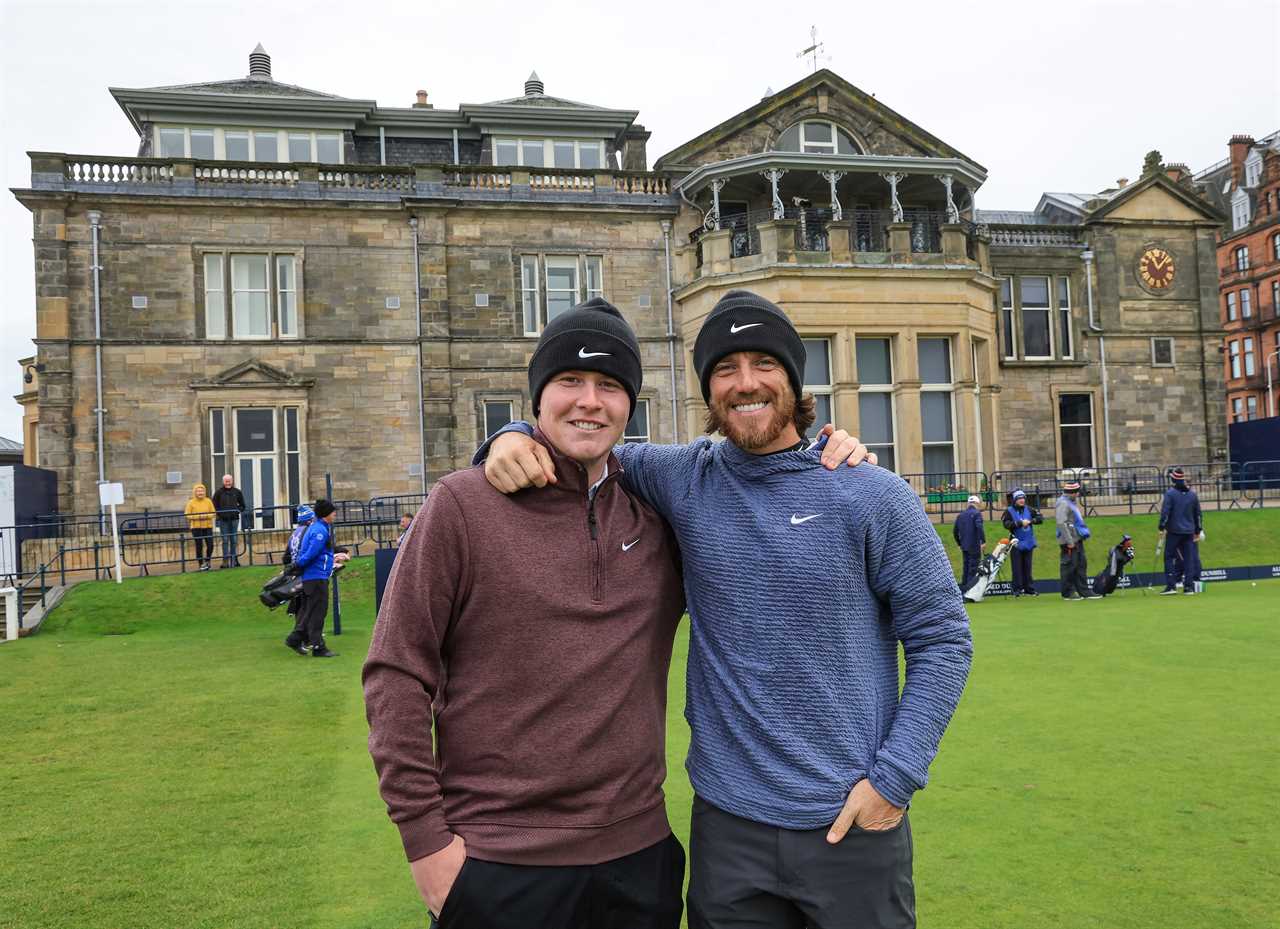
<point x="538" y="627"/>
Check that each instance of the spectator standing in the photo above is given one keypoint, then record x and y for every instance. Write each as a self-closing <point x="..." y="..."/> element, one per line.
<point x="199" y="512"/>
<point x="229" y="502"/>
<point x="971" y="538"/>
<point x="1071" y="532"/>
<point x="1182" y="525"/>
<point x="1019" y="519"/>
<point x="406" y="520"/>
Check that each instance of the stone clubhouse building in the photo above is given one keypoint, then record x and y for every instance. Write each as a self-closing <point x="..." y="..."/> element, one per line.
<point x="289" y="283"/>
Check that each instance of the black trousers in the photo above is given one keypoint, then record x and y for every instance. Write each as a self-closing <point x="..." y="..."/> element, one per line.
<point x="748" y="875"/>
<point x="637" y="891"/>
<point x="309" y="627"/>
<point x="1073" y="570"/>
<point x="969" y="569"/>
<point x="1022" y="577"/>
<point x="1181" y="560"/>
<point x="204" y="544"/>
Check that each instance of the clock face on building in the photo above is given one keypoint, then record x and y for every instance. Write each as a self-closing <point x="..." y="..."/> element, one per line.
<point x="1156" y="268"/>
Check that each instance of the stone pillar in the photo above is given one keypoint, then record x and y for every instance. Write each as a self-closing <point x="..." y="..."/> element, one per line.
<point x="954" y="242"/>
<point x="778" y="241"/>
<point x="840" y="241"/>
<point x="900" y="241"/>
<point x="716" y="251"/>
<point x="983" y="251"/>
<point x="910" y="435"/>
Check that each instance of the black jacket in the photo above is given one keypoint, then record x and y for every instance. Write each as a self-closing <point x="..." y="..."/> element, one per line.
<point x="229" y="503"/>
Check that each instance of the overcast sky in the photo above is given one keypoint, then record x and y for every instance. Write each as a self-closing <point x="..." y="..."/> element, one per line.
<point x="1045" y="96"/>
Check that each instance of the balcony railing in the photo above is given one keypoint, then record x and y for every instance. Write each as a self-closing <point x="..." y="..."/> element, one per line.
<point x="178" y="176"/>
<point x="1035" y="237"/>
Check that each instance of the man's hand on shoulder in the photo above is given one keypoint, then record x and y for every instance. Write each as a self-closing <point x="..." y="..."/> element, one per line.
<point x="436" y="873"/>
<point x="516" y="461"/>
<point x="843" y="448"/>
<point x="867" y="810"/>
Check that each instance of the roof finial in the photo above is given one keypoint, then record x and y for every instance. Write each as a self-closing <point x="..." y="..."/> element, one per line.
<point x="533" y="86"/>
<point x="260" y="63"/>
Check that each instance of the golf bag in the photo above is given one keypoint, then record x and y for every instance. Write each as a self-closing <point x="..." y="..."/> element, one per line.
<point x="1117" y="558"/>
<point x="988" y="570"/>
<point x="282" y="588"/>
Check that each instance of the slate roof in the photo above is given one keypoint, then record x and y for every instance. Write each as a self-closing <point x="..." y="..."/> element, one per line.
<point x="9" y="447"/>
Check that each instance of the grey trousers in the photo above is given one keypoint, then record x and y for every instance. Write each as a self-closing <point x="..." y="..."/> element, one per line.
<point x="748" y="875"/>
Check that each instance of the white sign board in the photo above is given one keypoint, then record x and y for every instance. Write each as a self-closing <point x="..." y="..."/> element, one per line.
<point x="110" y="494"/>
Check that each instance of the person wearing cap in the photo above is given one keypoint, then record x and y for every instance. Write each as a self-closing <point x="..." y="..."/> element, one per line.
<point x="315" y="559"/>
<point x="1071" y="531"/>
<point x="1182" y="525"/>
<point x="296" y="640"/>
<point x="969" y="535"/>
<point x="803" y="756"/>
<point x="539" y="627"/>
<point x="1018" y="520"/>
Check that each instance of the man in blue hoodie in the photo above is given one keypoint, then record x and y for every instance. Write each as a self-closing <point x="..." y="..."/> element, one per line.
<point x="315" y="560"/>
<point x="1182" y="525"/>
<point x="803" y="755"/>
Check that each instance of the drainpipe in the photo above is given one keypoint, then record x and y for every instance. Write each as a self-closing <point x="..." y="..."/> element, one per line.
<point x="95" y="217"/>
<point x="456" y="159"/>
<point x="671" y="333"/>
<point x="1087" y="255"/>
<point x="417" y="315"/>
<point x="382" y="145"/>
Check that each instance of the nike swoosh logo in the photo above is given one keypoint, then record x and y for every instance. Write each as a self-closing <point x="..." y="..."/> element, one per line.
<point x="734" y="328"/>
<point x="797" y="520"/>
<point x="583" y="353"/>
<point x="626" y="546"/>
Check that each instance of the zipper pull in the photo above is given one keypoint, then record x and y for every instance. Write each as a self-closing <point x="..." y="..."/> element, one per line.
<point x="591" y="521"/>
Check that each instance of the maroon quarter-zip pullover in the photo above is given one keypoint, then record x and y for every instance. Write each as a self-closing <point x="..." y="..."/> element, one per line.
<point x="538" y="627"/>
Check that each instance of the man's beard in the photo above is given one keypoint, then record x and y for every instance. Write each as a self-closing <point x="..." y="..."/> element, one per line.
<point x="749" y="438"/>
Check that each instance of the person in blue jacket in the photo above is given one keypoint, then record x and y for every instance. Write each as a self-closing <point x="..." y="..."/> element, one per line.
<point x="296" y="640"/>
<point x="1182" y="525"/>
<point x="1018" y="520"/>
<point x="969" y="535"/>
<point x="315" y="560"/>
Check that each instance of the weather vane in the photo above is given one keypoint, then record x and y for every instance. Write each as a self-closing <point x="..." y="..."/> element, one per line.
<point x="815" y="49"/>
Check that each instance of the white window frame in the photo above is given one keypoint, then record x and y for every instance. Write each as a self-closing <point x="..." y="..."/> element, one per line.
<point x="530" y="304"/>
<point x="816" y="146"/>
<point x="1275" y="299"/>
<point x="1239" y="209"/>
<point x="219" y="278"/>
<point x="549" y="152"/>
<point x="1241" y="255"/>
<point x="561" y="262"/>
<point x="1231" y="306"/>
<point x="1065" y="324"/>
<point x="1237" y="409"/>
<point x="488" y="402"/>
<point x="1154" y="361"/>
<point x="283" y="137"/>
<point x="821" y="390"/>
<point x="1233" y="355"/>
<point x="1253" y="169"/>
<point x="292" y="452"/>
<point x="629" y="437"/>
<point x="1008" y="320"/>
<point x="1250" y="362"/>
<point x="890" y="389"/>
<point x="535" y="296"/>
<point x="281" y="292"/>
<point x="1047" y="310"/>
<point x="1275" y="246"/>
<point x="216" y="469"/>
<point x="1246" y="303"/>
<point x="273" y="291"/>
<point x="1093" y="422"/>
<point x="1251" y="407"/>
<point x="949" y="389"/>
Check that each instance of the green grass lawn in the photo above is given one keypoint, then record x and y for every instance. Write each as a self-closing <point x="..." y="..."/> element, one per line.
<point x="1232" y="538"/>
<point x="166" y="762"/>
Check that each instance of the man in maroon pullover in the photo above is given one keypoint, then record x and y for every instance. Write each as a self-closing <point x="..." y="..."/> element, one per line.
<point x="537" y="628"/>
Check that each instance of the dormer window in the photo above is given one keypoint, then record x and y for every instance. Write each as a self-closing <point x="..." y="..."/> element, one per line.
<point x="817" y="137"/>
<point x="580" y="154"/>
<point x="270" y="145"/>
<point x="1252" y="170"/>
<point x="1239" y="210"/>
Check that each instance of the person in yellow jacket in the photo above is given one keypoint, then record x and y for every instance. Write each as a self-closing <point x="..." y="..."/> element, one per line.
<point x="200" y="513"/>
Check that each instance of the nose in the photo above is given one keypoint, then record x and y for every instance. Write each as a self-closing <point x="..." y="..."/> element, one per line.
<point x="745" y="380"/>
<point x="590" y="397"/>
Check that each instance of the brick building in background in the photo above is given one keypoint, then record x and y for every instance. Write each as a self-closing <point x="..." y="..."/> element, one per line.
<point x="290" y="283"/>
<point x="1246" y="187"/>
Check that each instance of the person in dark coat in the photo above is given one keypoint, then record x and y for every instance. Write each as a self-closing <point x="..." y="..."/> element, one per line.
<point x="968" y="534"/>
<point x="1182" y="526"/>
<point x="229" y="502"/>
<point x="1018" y="520"/>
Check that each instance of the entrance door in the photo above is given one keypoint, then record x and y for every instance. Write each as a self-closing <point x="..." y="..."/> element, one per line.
<point x="256" y="470"/>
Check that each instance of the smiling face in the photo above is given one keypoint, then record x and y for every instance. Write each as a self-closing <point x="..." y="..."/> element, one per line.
<point x="227" y="481"/>
<point x="752" y="402"/>
<point x="583" y="414"/>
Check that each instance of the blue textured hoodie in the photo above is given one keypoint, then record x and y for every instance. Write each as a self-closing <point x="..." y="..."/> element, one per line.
<point x="801" y="582"/>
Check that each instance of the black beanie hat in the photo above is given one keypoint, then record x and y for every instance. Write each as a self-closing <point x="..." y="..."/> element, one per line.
<point x="592" y="336"/>
<point x="745" y="322"/>
<point x="323" y="508"/>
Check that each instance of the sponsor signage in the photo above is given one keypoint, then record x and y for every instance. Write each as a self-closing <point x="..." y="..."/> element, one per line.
<point x="1131" y="581"/>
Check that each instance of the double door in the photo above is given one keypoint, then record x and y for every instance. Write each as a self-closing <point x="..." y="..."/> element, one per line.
<point x="257" y="468"/>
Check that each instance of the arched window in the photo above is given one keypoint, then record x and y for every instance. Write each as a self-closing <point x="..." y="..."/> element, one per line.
<point x="817" y="137"/>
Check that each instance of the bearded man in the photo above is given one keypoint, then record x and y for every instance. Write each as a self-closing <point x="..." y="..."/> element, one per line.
<point x="803" y="755"/>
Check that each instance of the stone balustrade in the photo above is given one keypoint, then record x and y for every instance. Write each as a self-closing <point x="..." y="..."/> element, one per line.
<point x="1033" y="237"/>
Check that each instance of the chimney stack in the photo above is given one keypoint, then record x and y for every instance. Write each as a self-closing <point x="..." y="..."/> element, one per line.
<point x="634" y="140"/>
<point x="422" y="103"/>
<point x="1122" y="183"/>
<point x="1177" y="172"/>
<point x="1239" y="147"/>
<point x="260" y="64"/>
